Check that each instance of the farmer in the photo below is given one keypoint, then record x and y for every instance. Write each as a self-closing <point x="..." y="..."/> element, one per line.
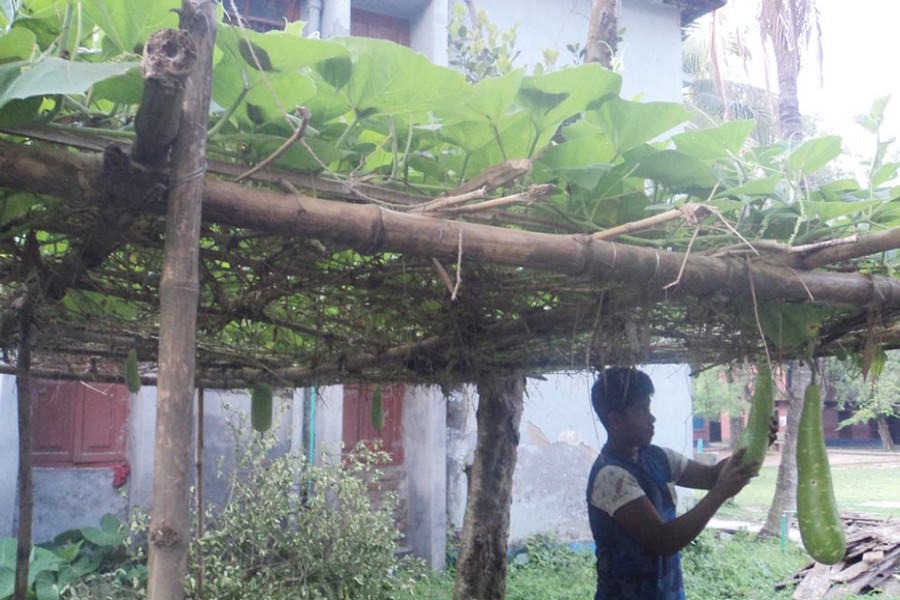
<point x="631" y="495"/>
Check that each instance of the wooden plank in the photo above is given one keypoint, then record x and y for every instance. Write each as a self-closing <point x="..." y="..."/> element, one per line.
<point x="814" y="585"/>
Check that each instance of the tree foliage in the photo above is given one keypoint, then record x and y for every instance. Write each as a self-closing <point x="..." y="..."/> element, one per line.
<point x="390" y="129"/>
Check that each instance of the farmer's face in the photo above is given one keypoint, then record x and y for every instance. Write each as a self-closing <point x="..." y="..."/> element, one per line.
<point x="637" y="423"/>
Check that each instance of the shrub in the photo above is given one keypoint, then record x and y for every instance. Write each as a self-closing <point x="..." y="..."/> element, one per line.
<point x="293" y="530"/>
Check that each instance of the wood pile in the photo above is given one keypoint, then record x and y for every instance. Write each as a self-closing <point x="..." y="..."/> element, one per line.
<point x="871" y="563"/>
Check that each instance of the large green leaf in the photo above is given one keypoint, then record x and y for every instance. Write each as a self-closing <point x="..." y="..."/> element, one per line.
<point x="832" y="210"/>
<point x="677" y="171"/>
<point x="128" y="23"/>
<point x="629" y="124"/>
<point x="723" y="141"/>
<point x="17" y="44"/>
<point x="813" y="154"/>
<point x="270" y="66"/>
<point x="389" y="79"/>
<point x="51" y="76"/>
<point x="493" y="97"/>
<point x="551" y="99"/>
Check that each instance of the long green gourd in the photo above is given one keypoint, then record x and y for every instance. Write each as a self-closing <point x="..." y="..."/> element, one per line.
<point x="261" y="407"/>
<point x="820" y="525"/>
<point x="755" y="437"/>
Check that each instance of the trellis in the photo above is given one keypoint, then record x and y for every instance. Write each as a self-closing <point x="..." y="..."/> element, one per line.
<point x="311" y="279"/>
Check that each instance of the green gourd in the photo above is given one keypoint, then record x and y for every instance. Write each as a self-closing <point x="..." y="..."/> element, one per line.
<point x="132" y="376"/>
<point x="261" y="407"/>
<point x="820" y="525"/>
<point x="377" y="409"/>
<point x="755" y="437"/>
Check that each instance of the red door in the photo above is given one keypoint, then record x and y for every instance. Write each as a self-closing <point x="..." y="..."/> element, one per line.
<point x="358" y="426"/>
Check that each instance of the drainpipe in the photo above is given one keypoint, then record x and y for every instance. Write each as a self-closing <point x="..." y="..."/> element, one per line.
<point x="314" y="22"/>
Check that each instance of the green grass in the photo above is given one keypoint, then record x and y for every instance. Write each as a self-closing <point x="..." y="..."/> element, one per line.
<point x="857" y="488"/>
<point x="738" y="567"/>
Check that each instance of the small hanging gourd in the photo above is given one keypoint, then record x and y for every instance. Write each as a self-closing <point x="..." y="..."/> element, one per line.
<point x="132" y="376"/>
<point x="377" y="409"/>
<point x="261" y="407"/>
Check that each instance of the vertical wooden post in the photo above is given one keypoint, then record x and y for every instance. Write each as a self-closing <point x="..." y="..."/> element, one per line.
<point x="170" y="526"/>
<point x="26" y="491"/>
<point x="481" y="566"/>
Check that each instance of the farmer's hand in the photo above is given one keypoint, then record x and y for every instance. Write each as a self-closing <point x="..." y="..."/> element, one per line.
<point x="733" y="475"/>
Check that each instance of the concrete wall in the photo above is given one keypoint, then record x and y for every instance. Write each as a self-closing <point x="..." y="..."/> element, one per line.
<point x="650" y="52"/>
<point x="9" y="453"/>
<point x="66" y="498"/>
<point x="559" y="439"/>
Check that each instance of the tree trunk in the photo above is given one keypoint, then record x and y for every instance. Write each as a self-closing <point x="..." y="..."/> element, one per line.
<point x="789" y="118"/>
<point x="179" y="294"/>
<point x="603" y="33"/>
<point x="481" y="566"/>
<point x="884" y="432"/>
<point x="786" y="485"/>
<point x="26" y="488"/>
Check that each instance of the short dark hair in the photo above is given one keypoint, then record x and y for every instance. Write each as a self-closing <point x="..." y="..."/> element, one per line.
<point x="618" y="388"/>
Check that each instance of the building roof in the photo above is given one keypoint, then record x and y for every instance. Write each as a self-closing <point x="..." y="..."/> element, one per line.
<point x="692" y="10"/>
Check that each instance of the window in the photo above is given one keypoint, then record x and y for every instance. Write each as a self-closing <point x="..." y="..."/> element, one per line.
<point x="265" y="15"/>
<point x="357" y="424"/>
<point x="374" y="25"/>
<point x="78" y="424"/>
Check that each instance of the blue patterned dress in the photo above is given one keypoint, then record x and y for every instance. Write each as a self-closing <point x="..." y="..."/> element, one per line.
<point x="625" y="570"/>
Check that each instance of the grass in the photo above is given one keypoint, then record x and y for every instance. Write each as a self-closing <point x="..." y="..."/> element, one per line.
<point x="734" y="567"/>
<point x="857" y="488"/>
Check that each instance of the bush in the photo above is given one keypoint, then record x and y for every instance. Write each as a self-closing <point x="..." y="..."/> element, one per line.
<point x="293" y="530"/>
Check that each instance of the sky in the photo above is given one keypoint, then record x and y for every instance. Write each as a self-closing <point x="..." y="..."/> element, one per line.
<point x="860" y="63"/>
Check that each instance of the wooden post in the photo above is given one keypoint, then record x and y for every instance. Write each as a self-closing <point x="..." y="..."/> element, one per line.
<point x="170" y="527"/>
<point x="481" y="566"/>
<point x="26" y="491"/>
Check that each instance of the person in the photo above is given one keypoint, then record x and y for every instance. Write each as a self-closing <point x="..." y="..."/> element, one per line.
<point x="631" y="495"/>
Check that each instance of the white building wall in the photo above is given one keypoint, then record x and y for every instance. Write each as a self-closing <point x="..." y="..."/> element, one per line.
<point x="649" y="54"/>
<point x="559" y="439"/>
<point x="9" y="454"/>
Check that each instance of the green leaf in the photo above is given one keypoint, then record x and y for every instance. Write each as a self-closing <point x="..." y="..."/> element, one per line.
<point x="629" y="124"/>
<point x="677" y="171"/>
<point x="46" y="587"/>
<point x="127" y="88"/>
<point x="884" y="173"/>
<point x="493" y="97"/>
<point x="390" y="79"/>
<point x="832" y="210"/>
<point x="52" y="75"/>
<point x="754" y="187"/>
<point x="552" y="98"/>
<point x="723" y="141"/>
<point x="17" y="44"/>
<point x="813" y="154"/>
<point x="128" y="23"/>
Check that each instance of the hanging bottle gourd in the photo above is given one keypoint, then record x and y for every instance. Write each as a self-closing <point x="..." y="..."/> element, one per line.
<point x="755" y="437"/>
<point x="132" y="376"/>
<point x="261" y="407"/>
<point x="820" y="525"/>
<point x="377" y="409"/>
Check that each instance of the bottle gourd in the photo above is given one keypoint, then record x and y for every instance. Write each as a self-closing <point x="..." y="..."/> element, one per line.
<point x="755" y="437"/>
<point x="820" y="525"/>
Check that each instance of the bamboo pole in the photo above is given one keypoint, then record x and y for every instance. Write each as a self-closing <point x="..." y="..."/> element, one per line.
<point x="170" y="527"/>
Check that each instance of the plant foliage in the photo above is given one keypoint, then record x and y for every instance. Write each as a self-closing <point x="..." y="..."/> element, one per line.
<point x="389" y="128"/>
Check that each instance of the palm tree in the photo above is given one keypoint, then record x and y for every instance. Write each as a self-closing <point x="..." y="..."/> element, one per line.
<point x="603" y="32"/>
<point x="788" y="25"/>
